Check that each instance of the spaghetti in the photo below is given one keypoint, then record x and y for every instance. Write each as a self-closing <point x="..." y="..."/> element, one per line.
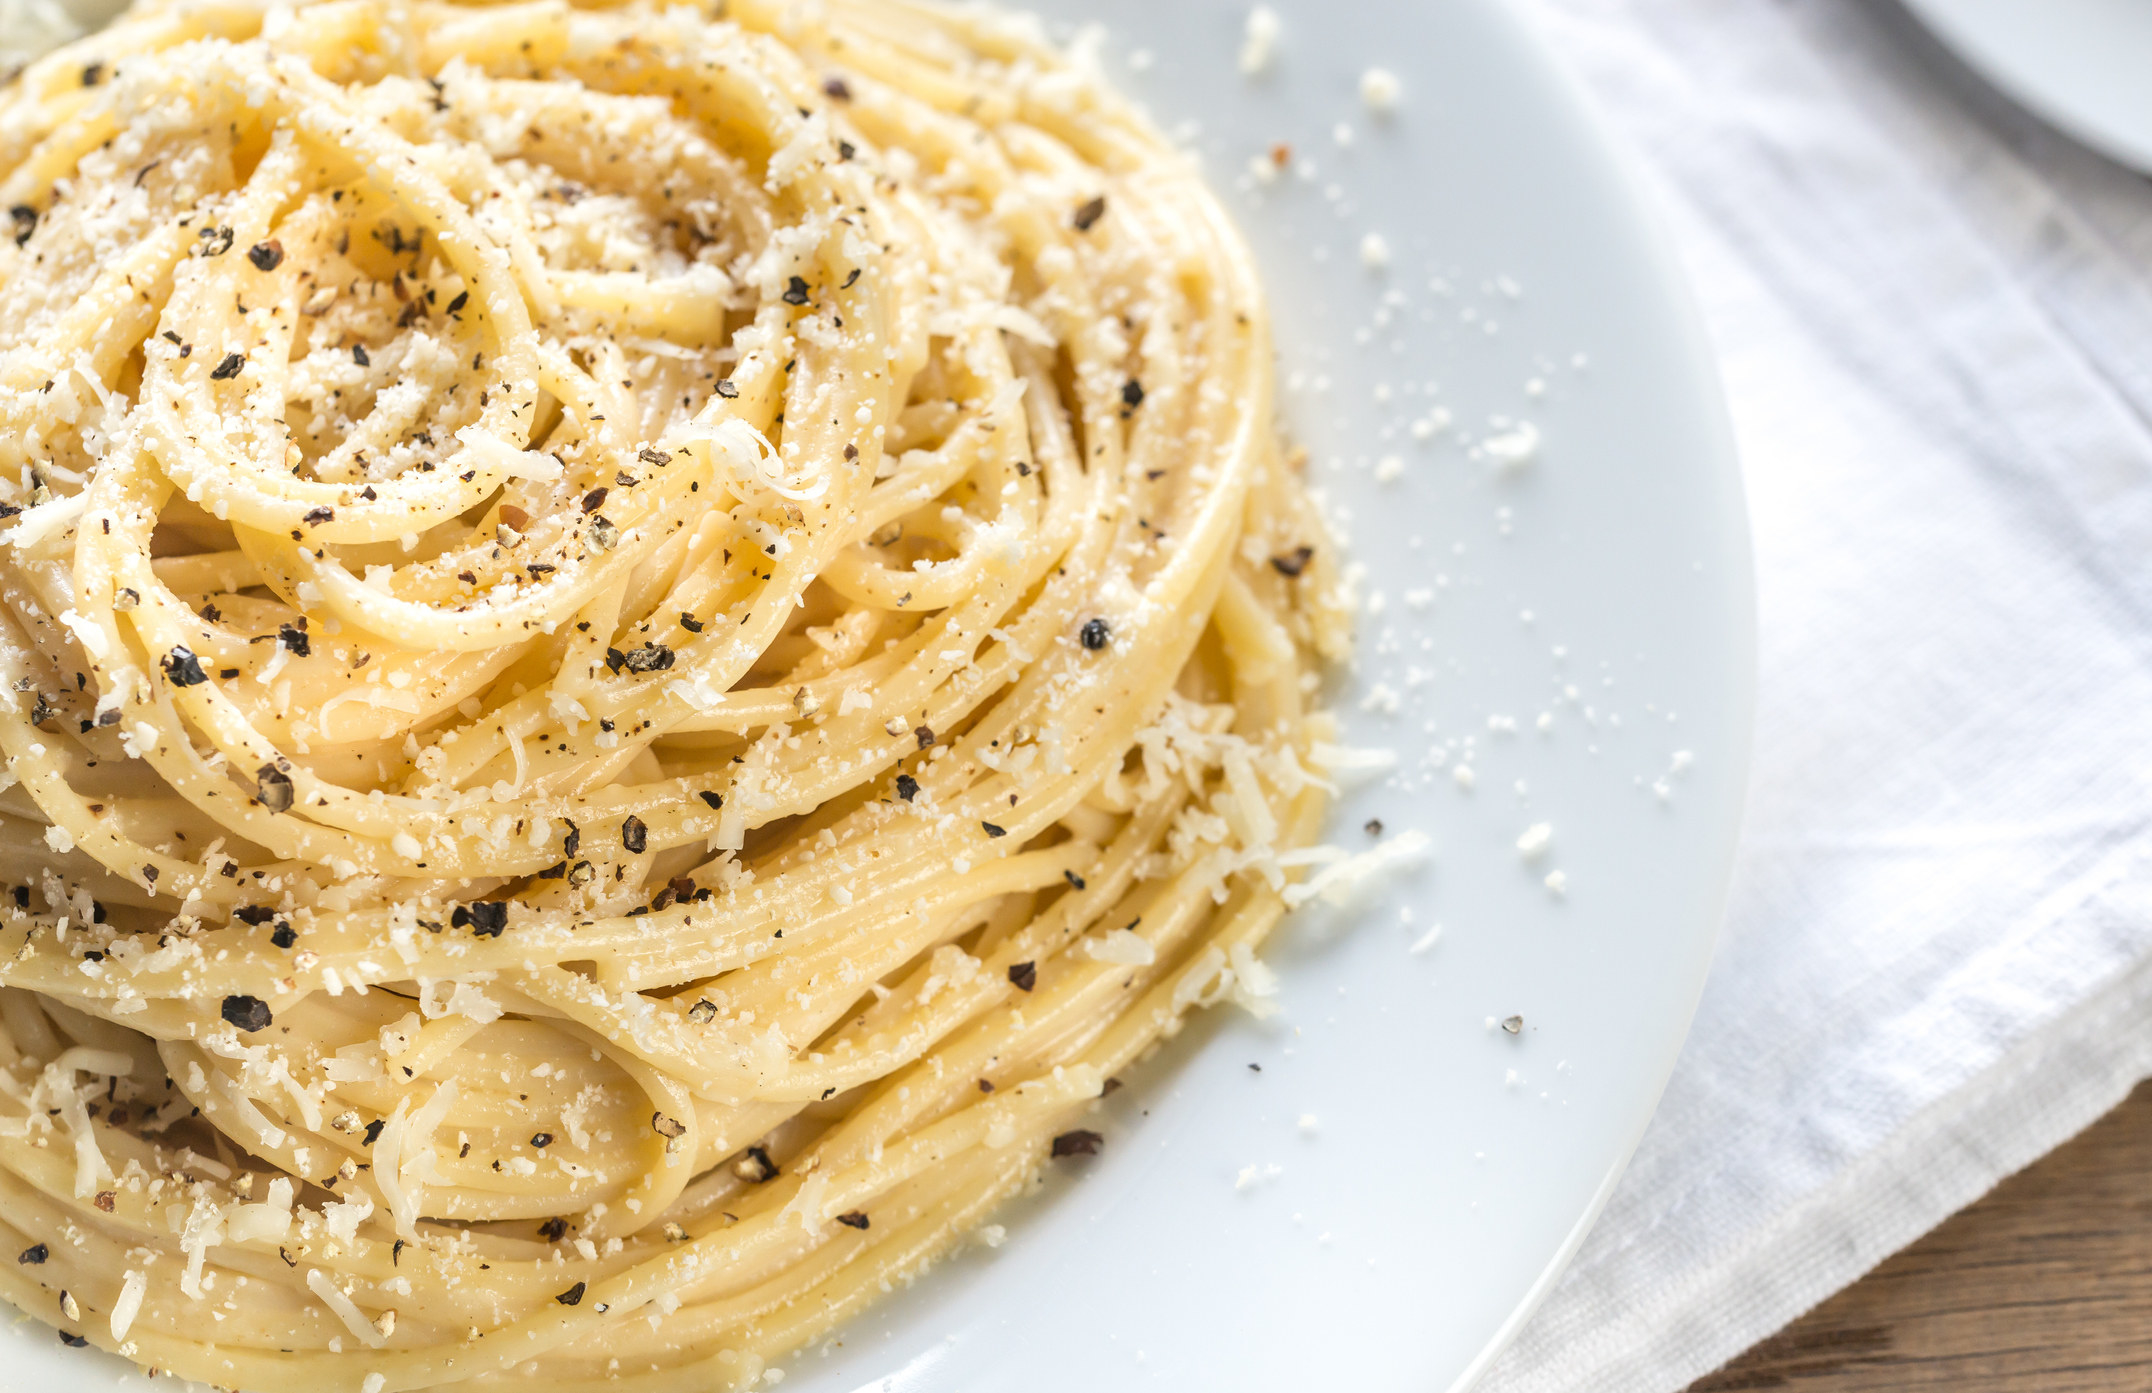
<point x="641" y="649"/>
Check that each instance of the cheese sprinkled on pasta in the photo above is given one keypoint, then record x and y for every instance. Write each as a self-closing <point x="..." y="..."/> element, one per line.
<point x="641" y="649"/>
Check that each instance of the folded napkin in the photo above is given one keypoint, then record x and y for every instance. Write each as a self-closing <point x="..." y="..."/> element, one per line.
<point x="1934" y="318"/>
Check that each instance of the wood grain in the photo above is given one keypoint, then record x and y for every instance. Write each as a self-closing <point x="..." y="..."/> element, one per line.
<point x="2046" y="1284"/>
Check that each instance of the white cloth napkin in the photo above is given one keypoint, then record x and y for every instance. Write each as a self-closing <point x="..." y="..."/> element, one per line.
<point x="1935" y="324"/>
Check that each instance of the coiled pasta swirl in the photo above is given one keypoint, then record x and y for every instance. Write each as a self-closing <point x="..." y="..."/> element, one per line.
<point x="642" y="648"/>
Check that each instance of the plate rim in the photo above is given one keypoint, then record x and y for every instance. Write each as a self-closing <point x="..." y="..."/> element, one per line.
<point x="1640" y="202"/>
<point x="1947" y="25"/>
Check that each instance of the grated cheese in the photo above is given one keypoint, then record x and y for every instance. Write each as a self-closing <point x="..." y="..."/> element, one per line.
<point x="319" y="1282"/>
<point x="1259" y="40"/>
<point x="1337" y="881"/>
<point x="1122" y="946"/>
<point x="129" y="1304"/>
<point x="1380" y="90"/>
<point x="344" y="1217"/>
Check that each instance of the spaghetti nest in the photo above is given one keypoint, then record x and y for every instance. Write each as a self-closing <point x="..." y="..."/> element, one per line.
<point x="641" y="648"/>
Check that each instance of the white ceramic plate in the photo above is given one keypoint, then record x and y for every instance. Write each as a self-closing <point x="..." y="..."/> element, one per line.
<point x="1446" y="1168"/>
<point x="2080" y="65"/>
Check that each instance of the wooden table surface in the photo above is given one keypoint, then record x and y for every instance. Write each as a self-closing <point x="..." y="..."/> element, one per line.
<point x="2046" y="1284"/>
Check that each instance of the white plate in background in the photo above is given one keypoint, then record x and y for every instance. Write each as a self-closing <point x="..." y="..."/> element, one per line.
<point x="2083" y="66"/>
<point x="1445" y="1169"/>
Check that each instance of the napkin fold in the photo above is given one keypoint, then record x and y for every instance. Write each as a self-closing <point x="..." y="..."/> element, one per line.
<point x="1934" y="318"/>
